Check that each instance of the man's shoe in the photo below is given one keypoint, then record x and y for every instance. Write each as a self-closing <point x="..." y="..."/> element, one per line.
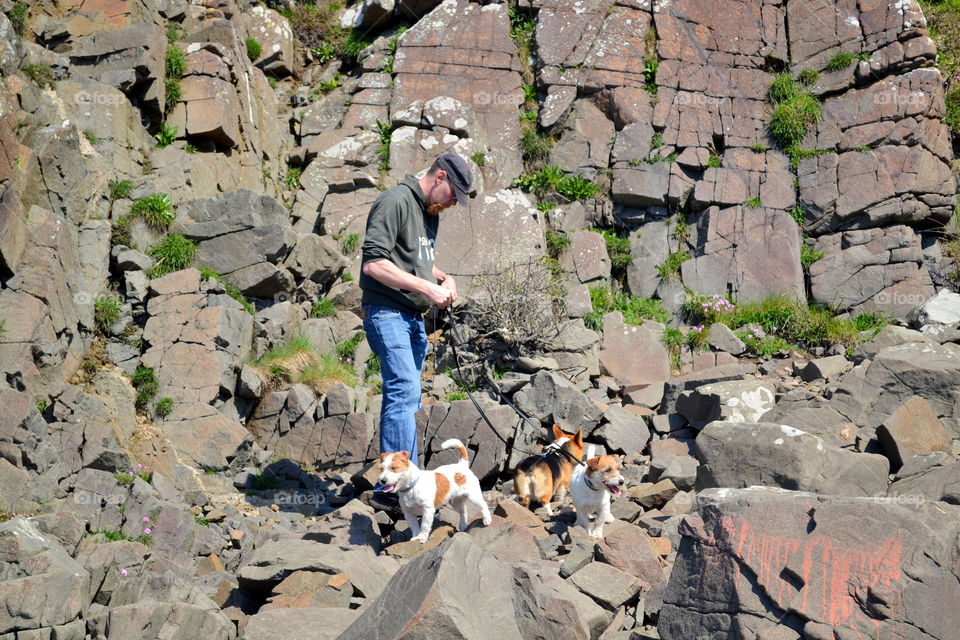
<point x="387" y="502"/>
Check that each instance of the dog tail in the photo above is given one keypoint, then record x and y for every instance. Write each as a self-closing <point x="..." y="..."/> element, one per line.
<point x="453" y="443"/>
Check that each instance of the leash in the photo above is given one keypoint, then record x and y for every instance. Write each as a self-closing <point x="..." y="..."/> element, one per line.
<point x="524" y="418"/>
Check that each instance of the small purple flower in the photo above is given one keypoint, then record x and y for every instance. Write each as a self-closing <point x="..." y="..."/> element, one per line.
<point x="146" y="519"/>
<point x="139" y="466"/>
<point x="123" y="572"/>
<point x="148" y="531"/>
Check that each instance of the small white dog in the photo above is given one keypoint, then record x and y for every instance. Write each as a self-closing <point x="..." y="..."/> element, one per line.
<point x="590" y="489"/>
<point x="422" y="492"/>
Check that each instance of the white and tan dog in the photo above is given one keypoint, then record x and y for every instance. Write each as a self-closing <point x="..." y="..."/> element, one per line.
<point x="422" y="492"/>
<point x="590" y="489"/>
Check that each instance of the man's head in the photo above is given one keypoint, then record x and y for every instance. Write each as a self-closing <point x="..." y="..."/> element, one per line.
<point x="447" y="182"/>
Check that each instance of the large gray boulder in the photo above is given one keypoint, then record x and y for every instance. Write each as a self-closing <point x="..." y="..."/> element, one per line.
<point x="426" y="599"/>
<point x="551" y="397"/>
<point x="749" y="253"/>
<point x="867" y="396"/>
<point x="767" y="563"/>
<point x="745" y="454"/>
<point x="732" y="401"/>
<point x="243" y="235"/>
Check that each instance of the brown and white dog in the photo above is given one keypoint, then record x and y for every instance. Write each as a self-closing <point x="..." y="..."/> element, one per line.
<point x="422" y="492"/>
<point x="590" y="489"/>
<point x="541" y="477"/>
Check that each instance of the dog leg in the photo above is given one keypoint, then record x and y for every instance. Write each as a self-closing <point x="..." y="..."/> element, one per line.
<point x="583" y="520"/>
<point x="484" y="510"/>
<point x="413" y="523"/>
<point x="462" y="505"/>
<point x="426" y="524"/>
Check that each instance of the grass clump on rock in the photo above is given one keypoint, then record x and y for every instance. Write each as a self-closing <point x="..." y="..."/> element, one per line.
<point x="296" y="361"/>
<point x="795" y="110"/>
<point x="156" y="210"/>
<point x="172" y="253"/>
<point x="635" y="310"/>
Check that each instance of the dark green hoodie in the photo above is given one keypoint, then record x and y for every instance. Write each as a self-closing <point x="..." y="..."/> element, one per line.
<point x="400" y="230"/>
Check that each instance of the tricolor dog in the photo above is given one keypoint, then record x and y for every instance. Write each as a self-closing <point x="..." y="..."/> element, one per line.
<point x="422" y="492"/>
<point x="590" y="489"/>
<point x="540" y="477"/>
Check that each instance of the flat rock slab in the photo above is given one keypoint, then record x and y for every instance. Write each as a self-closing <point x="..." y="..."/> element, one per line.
<point x="608" y="585"/>
<point x="746" y="454"/>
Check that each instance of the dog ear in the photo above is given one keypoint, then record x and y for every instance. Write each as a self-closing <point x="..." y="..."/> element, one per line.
<point x="578" y="439"/>
<point x="404" y="454"/>
<point x="557" y="433"/>
<point x="383" y="456"/>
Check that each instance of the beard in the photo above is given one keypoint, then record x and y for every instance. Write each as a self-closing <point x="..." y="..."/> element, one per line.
<point x="435" y="209"/>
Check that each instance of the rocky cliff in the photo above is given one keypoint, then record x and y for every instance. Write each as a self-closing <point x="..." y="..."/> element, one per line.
<point x="718" y="237"/>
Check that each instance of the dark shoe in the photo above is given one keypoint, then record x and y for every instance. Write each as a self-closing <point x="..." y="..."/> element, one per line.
<point x="387" y="502"/>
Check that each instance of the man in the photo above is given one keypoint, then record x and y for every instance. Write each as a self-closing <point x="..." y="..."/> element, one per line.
<point x="400" y="282"/>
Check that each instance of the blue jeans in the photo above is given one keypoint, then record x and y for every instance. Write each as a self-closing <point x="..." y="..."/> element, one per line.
<point x="400" y="341"/>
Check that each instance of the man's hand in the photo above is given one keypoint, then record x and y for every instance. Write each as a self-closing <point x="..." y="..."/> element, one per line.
<point x="440" y="295"/>
<point x="450" y="284"/>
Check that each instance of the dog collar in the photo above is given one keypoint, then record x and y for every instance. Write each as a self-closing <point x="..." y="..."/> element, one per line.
<point x="412" y="485"/>
<point x="589" y="484"/>
<point x="552" y="448"/>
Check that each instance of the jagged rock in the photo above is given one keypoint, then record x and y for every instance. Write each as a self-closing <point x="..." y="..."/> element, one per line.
<point x="808" y="412"/>
<point x="436" y="59"/>
<point x="787" y="545"/>
<point x="272" y="31"/>
<point x="931" y="371"/>
<point x="241" y="234"/>
<point x="746" y="454"/>
<point x="828" y="368"/>
<point x="871" y="270"/>
<point x="633" y="355"/>
<point x="422" y="591"/>
<point x="649" y="249"/>
<point x="44" y="586"/>
<point x="130" y="59"/>
<point x="732" y="401"/>
<point x="467" y="253"/>
<point x="585" y="141"/>
<point x="627" y="547"/>
<point x="608" y="585"/>
<point x="353" y="523"/>
<point x="317" y="258"/>
<point x="174" y="620"/>
<point x="550" y="607"/>
<point x="14" y="233"/>
<point x="461" y="420"/>
<point x="910" y="430"/>
<point x="939" y="312"/>
<point x="550" y="397"/>
<point x="277" y="624"/>
<point x="721" y="337"/>
<point x="623" y="431"/>
<point x="937" y="478"/>
<point x="586" y="258"/>
<point x="745" y="252"/>
<point x="643" y="185"/>
<point x="889" y="336"/>
<point x="720" y="373"/>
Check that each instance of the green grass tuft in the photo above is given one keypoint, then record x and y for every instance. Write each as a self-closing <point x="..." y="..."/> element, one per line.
<point x="254" y="49"/>
<point x="635" y="310"/>
<point x="172" y="253"/>
<point x="840" y="61"/>
<point x="106" y="312"/>
<point x="156" y="210"/>
<point x="323" y="308"/>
